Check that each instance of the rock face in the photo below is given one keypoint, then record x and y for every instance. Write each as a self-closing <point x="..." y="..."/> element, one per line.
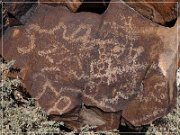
<point x="13" y="12"/>
<point x="73" y="5"/>
<point x="96" y="69"/>
<point x="163" y="12"/>
<point x="18" y="9"/>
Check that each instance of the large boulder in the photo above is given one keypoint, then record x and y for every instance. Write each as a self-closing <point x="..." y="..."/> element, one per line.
<point x="90" y="69"/>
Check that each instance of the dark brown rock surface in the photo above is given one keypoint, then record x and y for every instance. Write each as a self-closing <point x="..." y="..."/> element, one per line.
<point x="13" y="10"/>
<point x="163" y="12"/>
<point x="73" y="5"/>
<point x="18" y="8"/>
<point x="115" y="63"/>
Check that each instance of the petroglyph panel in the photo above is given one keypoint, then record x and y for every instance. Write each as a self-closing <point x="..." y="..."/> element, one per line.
<point x="109" y="61"/>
